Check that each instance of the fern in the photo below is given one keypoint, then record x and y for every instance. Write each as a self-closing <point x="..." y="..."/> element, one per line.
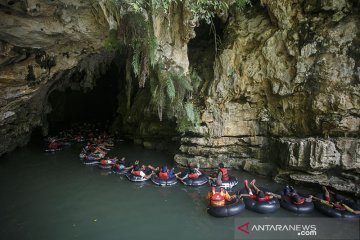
<point x="170" y="89"/>
<point x="189" y="109"/>
<point x="241" y="4"/>
<point x="183" y="81"/>
<point x="135" y="62"/>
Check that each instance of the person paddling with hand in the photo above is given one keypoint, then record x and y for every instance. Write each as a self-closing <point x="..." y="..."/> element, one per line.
<point x="338" y="205"/>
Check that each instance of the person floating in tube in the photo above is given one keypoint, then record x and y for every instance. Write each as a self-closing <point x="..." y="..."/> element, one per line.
<point x="166" y="174"/>
<point x="259" y="195"/>
<point x="218" y="196"/>
<point x="121" y="165"/>
<point x="194" y="173"/>
<point x="338" y="205"/>
<point x="140" y="171"/>
<point x="290" y="192"/>
<point x="222" y="175"/>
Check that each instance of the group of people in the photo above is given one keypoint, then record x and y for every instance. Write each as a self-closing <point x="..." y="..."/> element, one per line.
<point x="218" y="196"/>
<point x="99" y="144"/>
<point x="77" y="133"/>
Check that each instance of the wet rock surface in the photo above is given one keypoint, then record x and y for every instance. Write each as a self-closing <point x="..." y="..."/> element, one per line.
<point x="279" y="97"/>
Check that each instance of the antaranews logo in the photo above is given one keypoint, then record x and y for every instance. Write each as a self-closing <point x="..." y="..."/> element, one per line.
<point x="304" y="228"/>
<point x="300" y="229"/>
<point x="244" y="228"/>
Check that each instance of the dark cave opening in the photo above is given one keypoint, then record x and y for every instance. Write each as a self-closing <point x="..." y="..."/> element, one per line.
<point x="203" y="48"/>
<point x="76" y="106"/>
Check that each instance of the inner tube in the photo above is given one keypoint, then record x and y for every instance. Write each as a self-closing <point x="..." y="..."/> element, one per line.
<point x="105" y="167"/>
<point x="336" y="213"/>
<point x="119" y="171"/>
<point x="228" y="185"/>
<point x="232" y="208"/>
<point x="261" y="207"/>
<point x="201" y="180"/>
<point x="90" y="162"/>
<point x="53" y="149"/>
<point x="170" y="182"/>
<point x="134" y="178"/>
<point x="286" y="203"/>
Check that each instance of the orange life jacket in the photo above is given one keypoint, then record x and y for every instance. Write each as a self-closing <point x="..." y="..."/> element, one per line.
<point x="163" y="175"/>
<point x="135" y="173"/>
<point x="225" y="175"/>
<point x="217" y="198"/>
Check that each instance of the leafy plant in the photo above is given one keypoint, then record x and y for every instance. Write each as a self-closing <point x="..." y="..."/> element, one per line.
<point x="112" y="42"/>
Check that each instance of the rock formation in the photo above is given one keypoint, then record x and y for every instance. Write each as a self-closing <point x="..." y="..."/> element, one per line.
<point x="278" y="92"/>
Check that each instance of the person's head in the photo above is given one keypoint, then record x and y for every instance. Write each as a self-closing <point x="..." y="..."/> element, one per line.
<point x="261" y="194"/>
<point x="296" y="198"/>
<point x="164" y="168"/>
<point x="221" y="165"/>
<point x="136" y="168"/>
<point x="286" y="190"/>
<point x="192" y="170"/>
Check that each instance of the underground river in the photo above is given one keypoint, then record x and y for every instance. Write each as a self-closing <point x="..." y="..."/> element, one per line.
<point x="55" y="196"/>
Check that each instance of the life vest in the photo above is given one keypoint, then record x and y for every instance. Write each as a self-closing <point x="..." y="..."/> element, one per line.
<point x="217" y="198"/>
<point x="338" y="206"/>
<point x="193" y="175"/>
<point x="53" y="145"/>
<point x="264" y="199"/>
<point x="104" y="162"/>
<point x="163" y="175"/>
<point x="135" y="173"/>
<point x="302" y="200"/>
<point x="225" y="175"/>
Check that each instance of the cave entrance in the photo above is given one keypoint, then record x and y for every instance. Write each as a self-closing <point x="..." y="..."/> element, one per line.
<point x="203" y="48"/>
<point x="73" y="106"/>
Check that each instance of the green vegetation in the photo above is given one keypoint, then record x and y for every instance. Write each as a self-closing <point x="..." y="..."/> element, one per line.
<point x="171" y="91"/>
<point x="201" y="9"/>
<point x="112" y="42"/>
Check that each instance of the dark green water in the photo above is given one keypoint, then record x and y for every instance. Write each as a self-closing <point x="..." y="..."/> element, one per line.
<point x="55" y="196"/>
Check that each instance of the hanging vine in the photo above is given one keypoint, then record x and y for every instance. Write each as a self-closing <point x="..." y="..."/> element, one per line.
<point x="171" y="91"/>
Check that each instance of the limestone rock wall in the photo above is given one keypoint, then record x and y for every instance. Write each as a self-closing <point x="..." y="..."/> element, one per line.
<point x="285" y="94"/>
<point x="281" y="97"/>
<point x="55" y="40"/>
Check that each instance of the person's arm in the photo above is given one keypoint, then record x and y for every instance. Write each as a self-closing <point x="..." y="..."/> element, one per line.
<point x="349" y="209"/>
<point x="245" y="195"/>
<point x="128" y="168"/>
<point x="273" y="195"/>
<point x="185" y="177"/>
<point x="219" y="177"/>
<point x="209" y="197"/>
<point x="228" y="197"/>
<point x="149" y="176"/>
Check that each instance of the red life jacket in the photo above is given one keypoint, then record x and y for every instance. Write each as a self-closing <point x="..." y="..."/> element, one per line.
<point x="264" y="199"/>
<point x="217" y="198"/>
<point x="104" y="162"/>
<point x="338" y="206"/>
<point x="193" y="175"/>
<point x="53" y="145"/>
<point x="302" y="200"/>
<point x="135" y="173"/>
<point x="163" y="175"/>
<point x="225" y="176"/>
